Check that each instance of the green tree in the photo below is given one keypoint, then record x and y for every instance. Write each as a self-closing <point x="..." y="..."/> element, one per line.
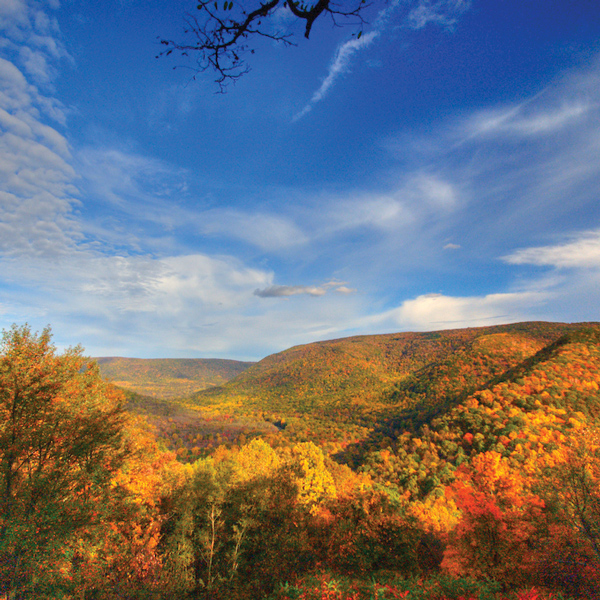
<point x="60" y="442"/>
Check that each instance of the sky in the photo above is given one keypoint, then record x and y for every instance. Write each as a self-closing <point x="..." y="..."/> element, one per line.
<point x="440" y="171"/>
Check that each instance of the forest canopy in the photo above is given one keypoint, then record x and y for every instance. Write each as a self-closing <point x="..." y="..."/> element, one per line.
<point x="476" y="487"/>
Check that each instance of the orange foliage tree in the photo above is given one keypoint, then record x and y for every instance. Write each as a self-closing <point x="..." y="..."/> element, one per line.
<point x="500" y="522"/>
<point x="60" y="443"/>
<point x="570" y="556"/>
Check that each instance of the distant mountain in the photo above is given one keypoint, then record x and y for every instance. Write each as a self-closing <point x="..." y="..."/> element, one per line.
<point x="362" y="379"/>
<point x="169" y="377"/>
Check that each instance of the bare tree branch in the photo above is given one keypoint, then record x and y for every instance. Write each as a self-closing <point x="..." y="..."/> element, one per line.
<point x="223" y="31"/>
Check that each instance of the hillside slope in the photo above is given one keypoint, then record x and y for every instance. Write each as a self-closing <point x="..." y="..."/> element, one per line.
<point x="360" y="379"/>
<point x="526" y="415"/>
<point x="169" y="378"/>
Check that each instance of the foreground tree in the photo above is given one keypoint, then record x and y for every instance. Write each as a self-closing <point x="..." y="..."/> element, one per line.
<point x="500" y="524"/>
<point x="570" y="557"/>
<point x="223" y="33"/>
<point x="60" y="444"/>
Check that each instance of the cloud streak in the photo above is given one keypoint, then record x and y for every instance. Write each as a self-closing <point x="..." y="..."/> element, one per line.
<point x="338" y="67"/>
<point x="442" y="13"/>
<point x="284" y="291"/>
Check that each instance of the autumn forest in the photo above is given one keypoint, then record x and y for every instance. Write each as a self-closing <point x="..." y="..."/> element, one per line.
<point x="451" y="465"/>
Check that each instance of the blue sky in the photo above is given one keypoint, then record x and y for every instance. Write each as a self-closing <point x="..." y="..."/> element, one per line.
<point x="441" y="171"/>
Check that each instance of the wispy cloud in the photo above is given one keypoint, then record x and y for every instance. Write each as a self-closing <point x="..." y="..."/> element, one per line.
<point x="520" y="168"/>
<point x="267" y="231"/>
<point x="442" y="13"/>
<point x="284" y="291"/>
<point x="339" y="66"/>
<point x="125" y="250"/>
<point x="527" y="120"/>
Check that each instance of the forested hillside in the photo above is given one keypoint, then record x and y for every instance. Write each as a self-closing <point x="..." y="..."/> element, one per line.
<point x="334" y="393"/>
<point x="358" y="375"/>
<point x="469" y="470"/>
<point x="169" y="378"/>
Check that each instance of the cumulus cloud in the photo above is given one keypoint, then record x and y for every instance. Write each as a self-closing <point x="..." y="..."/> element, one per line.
<point x="34" y="36"/>
<point x="38" y="191"/>
<point x="437" y="311"/>
<point x="583" y="251"/>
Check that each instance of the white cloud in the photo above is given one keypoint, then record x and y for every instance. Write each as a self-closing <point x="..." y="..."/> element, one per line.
<point x="128" y="184"/>
<point x="339" y="66"/>
<point x="179" y="306"/>
<point x="416" y="202"/>
<point x="522" y="120"/>
<point x="437" y="311"/>
<point x="132" y="266"/>
<point x="38" y="191"/>
<point x="220" y="283"/>
<point x="583" y="252"/>
<point x="14" y="17"/>
<point x="128" y="179"/>
<point x="92" y="284"/>
<point x="516" y="170"/>
<point x="34" y="35"/>
<point x="380" y="212"/>
<point x="269" y="232"/>
<point x="441" y="12"/>
<point x="432" y="191"/>
<point x="282" y="291"/>
<point x="345" y="290"/>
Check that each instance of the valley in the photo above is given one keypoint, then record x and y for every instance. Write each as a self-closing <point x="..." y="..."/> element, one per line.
<point x="427" y="466"/>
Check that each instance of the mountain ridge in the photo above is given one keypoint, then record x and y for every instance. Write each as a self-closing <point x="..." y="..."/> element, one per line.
<point x="168" y="377"/>
<point x="356" y="371"/>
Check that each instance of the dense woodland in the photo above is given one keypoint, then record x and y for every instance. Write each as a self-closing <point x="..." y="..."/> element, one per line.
<point x="169" y="378"/>
<point x="450" y="465"/>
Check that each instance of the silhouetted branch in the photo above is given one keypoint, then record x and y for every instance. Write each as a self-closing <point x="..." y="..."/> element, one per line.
<point x="222" y="32"/>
